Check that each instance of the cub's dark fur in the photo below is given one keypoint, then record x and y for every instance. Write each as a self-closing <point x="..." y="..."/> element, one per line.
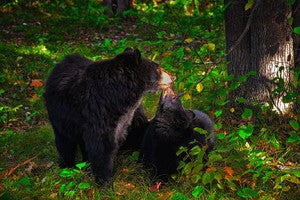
<point x="171" y="128"/>
<point x="91" y="104"/>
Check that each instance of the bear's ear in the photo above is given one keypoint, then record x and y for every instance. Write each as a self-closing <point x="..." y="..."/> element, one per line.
<point x="130" y="56"/>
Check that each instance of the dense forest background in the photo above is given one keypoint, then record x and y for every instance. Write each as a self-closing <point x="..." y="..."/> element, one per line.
<point x="236" y="60"/>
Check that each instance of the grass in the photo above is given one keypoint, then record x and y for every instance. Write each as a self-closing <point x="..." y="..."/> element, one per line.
<point x="40" y="178"/>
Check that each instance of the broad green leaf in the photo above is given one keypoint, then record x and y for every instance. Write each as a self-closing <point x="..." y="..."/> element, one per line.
<point x="246" y="131"/>
<point x="247" y="193"/>
<point x="81" y="165"/>
<point x="195" y="150"/>
<point x="252" y="73"/>
<point x="294" y="125"/>
<point x="198" y="190"/>
<point x="66" y="172"/>
<point x="214" y="157"/>
<point x="247" y="113"/>
<point x="200" y="130"/>
<point x="70" y="193"/>
<point x="297" y="30"/>
<point x="297" y="173"/>
<point x="83" y="186"/>
<point x="218" y="113"/>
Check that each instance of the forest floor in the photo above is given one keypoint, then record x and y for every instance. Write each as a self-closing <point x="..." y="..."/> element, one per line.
<point x="32" y="41"/>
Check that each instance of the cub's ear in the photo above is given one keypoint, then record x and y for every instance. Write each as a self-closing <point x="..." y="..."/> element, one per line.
<point x="130" y="56"/>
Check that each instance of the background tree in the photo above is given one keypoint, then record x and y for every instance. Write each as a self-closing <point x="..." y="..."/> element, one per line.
<point x="118" y="6"/>
<point x="266" y="47"/>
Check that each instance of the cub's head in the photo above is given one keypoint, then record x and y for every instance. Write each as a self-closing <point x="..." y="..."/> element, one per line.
<point x="171" y="115"/>
<point x="149" y="75"/>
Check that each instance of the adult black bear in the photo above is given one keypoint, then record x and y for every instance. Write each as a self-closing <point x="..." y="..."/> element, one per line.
<point x="171" y="128"/>
<point x="92" y="104"/>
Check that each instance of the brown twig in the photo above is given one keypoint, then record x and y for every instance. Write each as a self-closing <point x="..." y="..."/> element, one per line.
<point x="8" y="172"/>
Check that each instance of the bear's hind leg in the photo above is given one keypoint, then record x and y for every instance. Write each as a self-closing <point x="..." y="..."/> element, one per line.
<point x="67" y="150"/>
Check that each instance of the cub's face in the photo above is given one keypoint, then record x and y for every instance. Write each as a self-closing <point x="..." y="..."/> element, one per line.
<point x="170" y="113"/>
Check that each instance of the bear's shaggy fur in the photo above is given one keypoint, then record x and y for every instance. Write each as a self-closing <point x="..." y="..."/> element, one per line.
<point x="91" y="104"/>
<point x="136" y="131"/>
<point x="171" y="128"/>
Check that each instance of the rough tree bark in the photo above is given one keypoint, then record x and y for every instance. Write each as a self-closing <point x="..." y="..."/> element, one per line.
<point x="116" y="6"/>
<point x="267" y="49"/>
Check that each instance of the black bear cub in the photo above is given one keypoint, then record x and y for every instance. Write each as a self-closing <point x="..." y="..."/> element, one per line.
<point x="91" y="104"/>
<point x="171" y="128"/>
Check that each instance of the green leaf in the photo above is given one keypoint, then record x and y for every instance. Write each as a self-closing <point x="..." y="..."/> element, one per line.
<point x="83" y="186"/>
<point x="198" y="190"/>
<point x="241" y="100"/>
<point x="179" y="196"/>
<point x="294" y="125"/>
<point x="134" y="156"/>
<point x="107" y="43"/>
<point x="66" y="173"/>
<point x="249" y="4"/>
<point x="221" y="136"/>
<point x="251" y="73"/>
<point x="247" y="193"/>
<point x="218" y="113"/>
<point x="70" y="193"/>
<point x="23" y="181"/>
<point x="246" y="131"/>
<point x="214" y="158"/>
<point x="62" y="188"/>
<point x="195" y="150"/>
<point x="297" y="173"/>
<point x="187" y="168"/>
<point x="297" y="30"/>
<point x="81" y="165"/>
<point x="200" y="130"/>
<point x="243" y="78"/>
<point x="207" y="178"/>
<point x="247" y="113"/>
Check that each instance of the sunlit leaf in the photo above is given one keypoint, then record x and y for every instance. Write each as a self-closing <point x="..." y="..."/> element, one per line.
<point x="199" y="87"/>
<point x="81" y="165"/>
<point x="187" y="96"/>
<point x="198" y="190"/>
<point x="210" y="46"/>
<point x="200" y="130"/>
<point x="249" y="4"/>
<point x="218" y="113"/>
<point x="232" y="110"/>
<point x="188" y="40"/>
<point x="246" y="131"/>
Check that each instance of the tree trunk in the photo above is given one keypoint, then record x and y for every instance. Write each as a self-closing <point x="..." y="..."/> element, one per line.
<point x="267" y="48"/>
<point x="119" y="6"/>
